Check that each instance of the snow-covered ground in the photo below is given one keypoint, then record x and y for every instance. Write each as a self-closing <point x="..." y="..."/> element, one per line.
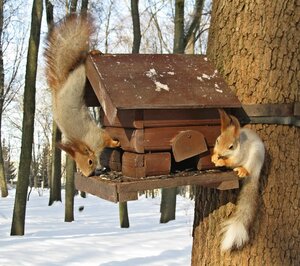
<point x="94" y="238"/>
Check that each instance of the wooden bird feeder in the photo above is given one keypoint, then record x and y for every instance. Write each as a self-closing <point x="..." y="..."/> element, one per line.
<point x="163" y="110"/>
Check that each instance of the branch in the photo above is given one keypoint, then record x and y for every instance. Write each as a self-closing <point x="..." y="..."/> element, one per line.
<point x="195" y="22"/>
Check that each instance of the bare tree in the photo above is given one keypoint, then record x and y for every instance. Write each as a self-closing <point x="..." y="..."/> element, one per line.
<point x="9" y="86"/>
<point x="136" y="26"/>
<point x="84" y="6"/>
<point x="73" y="6"/>
<point x="168" y="200"/>
<point x="3" y="184"/>
<point x="18" y="221"/>
<point x="55" y="173"/>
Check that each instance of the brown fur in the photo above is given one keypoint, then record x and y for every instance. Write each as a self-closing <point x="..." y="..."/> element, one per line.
<point x="67" y="50"/>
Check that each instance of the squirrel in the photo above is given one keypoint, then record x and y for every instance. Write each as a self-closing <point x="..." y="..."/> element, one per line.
<point x="67" y="48"/>
<point x="243" y="150"/>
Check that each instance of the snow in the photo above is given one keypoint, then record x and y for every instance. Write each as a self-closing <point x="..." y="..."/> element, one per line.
<point x="152" y="74"/>
<point x="94" y="238"/>
<point x="160" y="86"/>
<point x="205" y="76"/>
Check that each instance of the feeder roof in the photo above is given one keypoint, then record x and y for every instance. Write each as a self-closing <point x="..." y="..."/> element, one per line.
<point x="157" y="81"/>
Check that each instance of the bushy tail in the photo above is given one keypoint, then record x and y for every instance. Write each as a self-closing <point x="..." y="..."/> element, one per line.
<point x="235" y="230"/>
<point x="67" y="47"/>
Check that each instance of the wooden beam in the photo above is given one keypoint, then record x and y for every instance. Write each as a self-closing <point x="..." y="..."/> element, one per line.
<point x="125" y="189"/>
<point x="273" y="113"/>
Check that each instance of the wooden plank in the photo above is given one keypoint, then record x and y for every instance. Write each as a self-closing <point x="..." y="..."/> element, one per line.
<point x="181" y="117"/>
<point x="124" y="190"/>
<point x="269" y="110"/>
<point x="203" y="179"/>
<point x="156" y="139"/>
<point x="187" y="144"/>
<point x="162" y="118"/>
<point x="229" y="184"/>
<point x="122" y="197"/>
<point x="125" y="119"/>
<point x="204" y="162"/>
<point x="133" y="165"/>
<point x="132" y="82"/>
<point x="157" y="163"/>
<point x="111" y="158"/>
<point x="90" y="96"/>
<point x="141" y="165"/>
<point x="97" y="187"/>
<point x="105" y="100"/>
<point x="297" y="109"/>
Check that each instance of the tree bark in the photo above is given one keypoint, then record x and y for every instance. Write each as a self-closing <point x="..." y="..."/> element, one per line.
<point x="55" y="173"/>
<point x="255" y="45"/>
<point x="168" y="195"/>
<point x="136" y="26"/>
<point x="168" y="205"/>
<point x="3" y="183"/>
<point x="123" y="214"/>
<point x="84" y="6"/>
<point x="178" y="47"/>
<point x="18" y="221"/>
<point x="194" y="25"/>
<point x="123" y="209"/>
<point x="55" y="178"/>
<point x="70" y="189"/>
<point x="73" y="6"/>
<point x="49" y="14"/>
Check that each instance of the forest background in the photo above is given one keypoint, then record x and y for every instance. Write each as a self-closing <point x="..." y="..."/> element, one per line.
<point x="114" y="34"/>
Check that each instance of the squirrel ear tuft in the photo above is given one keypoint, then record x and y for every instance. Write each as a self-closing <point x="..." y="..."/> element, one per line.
<point x="236" y="124"/>
<point x="225" y="120"/>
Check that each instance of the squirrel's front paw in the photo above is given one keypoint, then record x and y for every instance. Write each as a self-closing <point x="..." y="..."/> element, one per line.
<point x="115" y="144"/>
<point x="217" y="161"/>
<point x="241" y="171"/>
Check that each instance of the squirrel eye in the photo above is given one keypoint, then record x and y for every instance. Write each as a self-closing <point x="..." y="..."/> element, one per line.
<point x="231" y="147"/>
<point x="90" y="162"/>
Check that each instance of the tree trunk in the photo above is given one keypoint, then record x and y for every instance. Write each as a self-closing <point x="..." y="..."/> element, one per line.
<point x="84" y="6"/>
<point x="70" y="190"/>
<point x="3" y="184"/>
<point x="136" y="26"/>
<point x="123" y="210"/>
<point x="55" y="178"/>
<point x="18" y="221"/>
<point x="123" y="214"/>
<point x="178" y="47"/>
<point x="168" y="195"/>
<point x="49" y="14"/>
<point x="255" y="45"/>
<point x="168" y="205"/>
<point x="73" y="6"/>
<point x="55" y="174"/>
